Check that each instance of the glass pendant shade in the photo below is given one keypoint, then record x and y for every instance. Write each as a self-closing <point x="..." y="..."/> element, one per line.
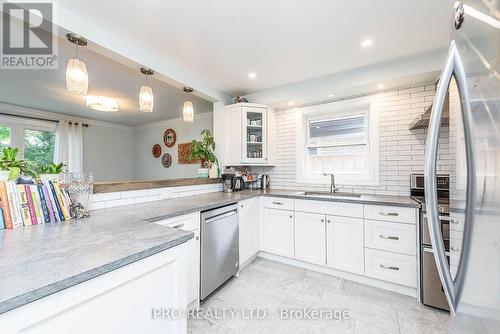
<point x="146" y="99"/>
<point x="77" y="79"/>
<point x="188" y="112"/>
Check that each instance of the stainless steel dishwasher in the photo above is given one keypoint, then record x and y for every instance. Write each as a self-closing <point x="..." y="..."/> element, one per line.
<point x="219" y="247"/>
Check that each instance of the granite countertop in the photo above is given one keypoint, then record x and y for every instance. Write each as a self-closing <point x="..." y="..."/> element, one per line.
<point x="405" y="201"/>
<point x="39" y="260"/>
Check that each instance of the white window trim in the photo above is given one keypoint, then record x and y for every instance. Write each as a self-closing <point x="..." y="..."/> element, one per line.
<point x="339" y="109"/>
<point x="18" y="126"/>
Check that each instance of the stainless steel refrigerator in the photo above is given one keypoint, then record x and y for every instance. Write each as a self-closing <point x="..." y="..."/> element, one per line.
<point x="471" y="276"/>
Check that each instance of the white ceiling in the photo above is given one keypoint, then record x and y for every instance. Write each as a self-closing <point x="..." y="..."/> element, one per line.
<point x="221" y="41"/>
<point x="46" y="89"/>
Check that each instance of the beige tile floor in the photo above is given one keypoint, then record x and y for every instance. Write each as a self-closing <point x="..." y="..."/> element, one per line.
<point x="269" y="286"/>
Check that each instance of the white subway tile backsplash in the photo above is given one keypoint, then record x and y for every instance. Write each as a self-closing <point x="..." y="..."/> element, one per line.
<point x="109" y="200"/>
<point x="401" y="151"/>
<point x="120" y="202"/>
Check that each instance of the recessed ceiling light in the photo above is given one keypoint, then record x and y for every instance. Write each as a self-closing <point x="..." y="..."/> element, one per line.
<point x="381" y="86"/>
<point x="331" y="95"/>
<point x="252" y="75"/>
<point x="366" y="43"/>
<point x="290" y="103"/>
<point x="317" y="126"/>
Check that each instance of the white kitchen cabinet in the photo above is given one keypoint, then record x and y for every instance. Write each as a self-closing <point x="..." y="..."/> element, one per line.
<point x="391" y="267"/>
<point x="189" y="222"/>
<point x="391" y="213"/>
<point x="193" y="269"/>
<point x="278" y="232"/>
<point x="393" y="237"/>
<point x="248" y="137"/>
<point x="249" y="212"/>
<point x="344" y="242"/>
<point x="120" y="301"/>
<point x="310" y="234"/>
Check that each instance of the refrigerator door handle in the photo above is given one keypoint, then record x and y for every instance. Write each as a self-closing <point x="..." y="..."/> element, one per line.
<point x="453" y="68"/>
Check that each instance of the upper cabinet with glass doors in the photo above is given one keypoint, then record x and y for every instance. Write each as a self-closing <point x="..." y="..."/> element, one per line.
<point x="249" y="135"/>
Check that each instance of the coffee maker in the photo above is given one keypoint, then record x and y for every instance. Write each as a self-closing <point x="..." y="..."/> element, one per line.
<point x="228" y="181"/>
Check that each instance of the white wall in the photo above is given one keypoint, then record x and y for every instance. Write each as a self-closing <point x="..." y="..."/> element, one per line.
<point x="108" y="152"/>
<point x="146" y="167"/>
<point x="402" y="151"/>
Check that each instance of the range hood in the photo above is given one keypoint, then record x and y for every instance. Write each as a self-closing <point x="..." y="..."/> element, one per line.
<point x="422" y="121"/>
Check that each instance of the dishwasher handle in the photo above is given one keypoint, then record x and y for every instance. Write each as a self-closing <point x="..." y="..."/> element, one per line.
<point x="221" y="216"/>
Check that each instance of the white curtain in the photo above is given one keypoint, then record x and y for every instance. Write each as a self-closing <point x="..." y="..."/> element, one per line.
<point x="69" y="145"/>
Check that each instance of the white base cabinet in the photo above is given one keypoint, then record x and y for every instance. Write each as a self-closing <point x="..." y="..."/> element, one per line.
<point x="249" y="213"/>
<point x="310" y="243"/>
<point x="278" y="232"/>
<point x="189" y="222"/>
<point x="344" y="242"/>
<point x="120" y="301"/>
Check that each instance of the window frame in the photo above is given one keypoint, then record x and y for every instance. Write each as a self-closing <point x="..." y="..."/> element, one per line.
<point x="334" y="110"/>
<point x="19" y="125"/>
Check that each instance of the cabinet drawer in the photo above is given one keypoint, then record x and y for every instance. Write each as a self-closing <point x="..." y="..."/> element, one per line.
<point x="330" y="208"/>
<point x="392" y="237"/>
<point x="391" y="213"/>
<point x="189" y="222"/>
<point x="391" y="267"/>
<point x="278" y="203"/>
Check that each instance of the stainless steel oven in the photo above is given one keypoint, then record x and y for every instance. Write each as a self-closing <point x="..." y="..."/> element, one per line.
<point x="431" y="290"/>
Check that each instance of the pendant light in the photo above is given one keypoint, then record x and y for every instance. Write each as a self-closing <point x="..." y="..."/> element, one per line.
<point x="146" y="98"/>
<point x="77" y="79"/>
<point x="188" y="109"/>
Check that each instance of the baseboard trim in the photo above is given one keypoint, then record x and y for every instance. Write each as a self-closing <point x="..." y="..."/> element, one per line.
<point x="404" y="290"/>
<point x="247" y="261"/>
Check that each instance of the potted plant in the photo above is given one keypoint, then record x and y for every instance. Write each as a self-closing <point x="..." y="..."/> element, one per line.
<point x="11" y="167"/>
<point x="51" y="171"/>
<point x="204" y="152"/>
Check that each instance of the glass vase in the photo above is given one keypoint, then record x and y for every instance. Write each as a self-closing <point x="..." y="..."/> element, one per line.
<point x="80" y="188"/>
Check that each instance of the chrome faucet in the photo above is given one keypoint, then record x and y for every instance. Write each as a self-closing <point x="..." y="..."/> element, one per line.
<point x="333" y="189"/>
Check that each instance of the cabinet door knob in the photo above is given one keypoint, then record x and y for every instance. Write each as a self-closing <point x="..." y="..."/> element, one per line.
<point x="291" y="216"/>
<point x="241" y="205"/>
<point x="328" y="221"/>
<point x="322" y="220"/>
<point x="197" y="238"/>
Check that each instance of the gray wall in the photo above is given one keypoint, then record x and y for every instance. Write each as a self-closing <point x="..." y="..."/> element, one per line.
<point x="108" y="152"/>
<point x="146" y="167"/>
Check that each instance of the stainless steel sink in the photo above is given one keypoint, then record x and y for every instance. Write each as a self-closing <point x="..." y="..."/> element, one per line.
<point x="328" y="194"/>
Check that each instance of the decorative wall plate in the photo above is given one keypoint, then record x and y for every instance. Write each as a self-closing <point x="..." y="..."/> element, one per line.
<point x="156" y="150"/>
<point x="166" y="160"/>
<point x="169" y="137"/>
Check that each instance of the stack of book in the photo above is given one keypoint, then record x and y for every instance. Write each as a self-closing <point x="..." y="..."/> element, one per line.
<point x="32" y="204"/>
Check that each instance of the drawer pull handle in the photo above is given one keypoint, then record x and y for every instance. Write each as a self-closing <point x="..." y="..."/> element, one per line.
<point x="392" y="214"/>
<point x="178" y="226"/>
<point x="454" y="249"/>
<point x="388" y="237"/>
<point x="277" y="203"/>
<point x="389" y="267"/>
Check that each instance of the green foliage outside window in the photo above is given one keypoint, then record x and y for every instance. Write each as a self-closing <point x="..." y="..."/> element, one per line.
<point x="39" y="147"/>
